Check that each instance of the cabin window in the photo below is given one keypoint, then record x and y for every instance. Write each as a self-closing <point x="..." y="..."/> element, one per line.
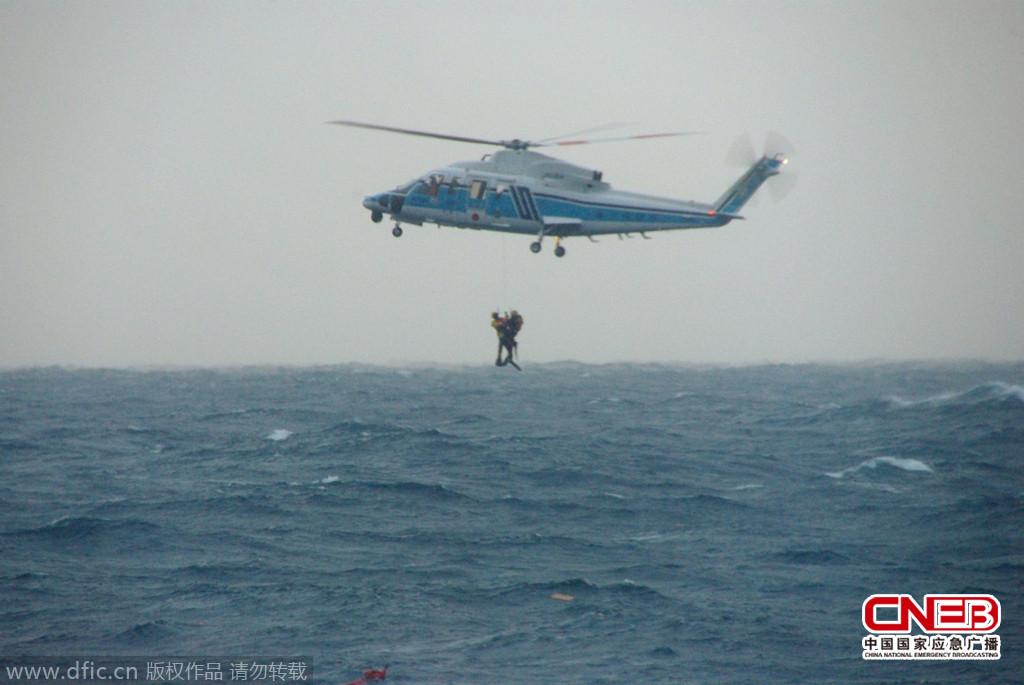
<point x="453" y="187"/>
<point x="477" y="190"/>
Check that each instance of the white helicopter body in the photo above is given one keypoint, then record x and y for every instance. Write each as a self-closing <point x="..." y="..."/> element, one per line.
<point x="516" y="190"/>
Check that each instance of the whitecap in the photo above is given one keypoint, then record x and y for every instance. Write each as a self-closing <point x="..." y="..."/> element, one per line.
<point x="941" y="400"/>
<point x="656" y="537"/>
<point x="279" y="435"/>
<point x="1007" y="391"/>
<point x="987" y="392"/>
<point x="902" y="463"/>
<point x="330" y="479"/>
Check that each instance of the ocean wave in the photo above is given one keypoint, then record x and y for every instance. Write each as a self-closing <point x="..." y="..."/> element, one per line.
<point x="993" y="393"/>
<point x="578" y="588"/>
<point x="632" y="588"/>
<point x="218" y="570"/>
<point x="747" y="486"/>
<point x="471" y="419"/>
<point x="883" y="464"/>
<point x="606" y="504"/>
<point x="70" y="528"/>
<point x="357" y="432"/>
<point x="9" y="446"/>
<point x="25" y="577"/>
<point x="812" y="557"/>
<point x="362" y="429"/>
<point x="705" y="502"/>
<point x="436" y="491"/>
<point x="656" y="537"/>
<point x="145" y="633"/>
<point x="214" y="417"/>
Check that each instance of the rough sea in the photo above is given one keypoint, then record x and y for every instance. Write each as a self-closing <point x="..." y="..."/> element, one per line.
<point x="565" y="524"/>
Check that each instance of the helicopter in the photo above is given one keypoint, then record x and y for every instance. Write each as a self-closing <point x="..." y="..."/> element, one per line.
<point x="517" y="190"/>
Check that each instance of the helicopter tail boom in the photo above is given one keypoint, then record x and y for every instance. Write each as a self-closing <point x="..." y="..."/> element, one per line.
<point x="746" y="185"/>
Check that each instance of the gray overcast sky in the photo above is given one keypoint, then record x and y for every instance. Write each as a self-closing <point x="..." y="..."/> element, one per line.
<point x="170" y="194"/>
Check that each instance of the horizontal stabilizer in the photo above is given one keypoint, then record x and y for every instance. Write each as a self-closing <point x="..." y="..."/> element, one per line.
<point x="730" y="216"/>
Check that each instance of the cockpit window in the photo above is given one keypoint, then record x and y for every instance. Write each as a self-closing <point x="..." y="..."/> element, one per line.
<point x="431" y="184"/>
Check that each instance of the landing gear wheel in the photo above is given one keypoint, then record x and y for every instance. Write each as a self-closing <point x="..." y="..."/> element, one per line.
<point x="397" y="231"/>
<point x="559" y="251"/>
<point x="376" y="216"/>
<point x="535" y="247"/>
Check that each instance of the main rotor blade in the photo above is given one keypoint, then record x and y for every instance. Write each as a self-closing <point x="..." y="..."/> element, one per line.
<point x="592" y="129"/>
<point x="424" y="134"/>
<point x="615" y="139"/>
<point x="514" y="144"/>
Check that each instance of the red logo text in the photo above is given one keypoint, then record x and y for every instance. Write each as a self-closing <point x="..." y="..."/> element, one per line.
<point x="940" y="613"/>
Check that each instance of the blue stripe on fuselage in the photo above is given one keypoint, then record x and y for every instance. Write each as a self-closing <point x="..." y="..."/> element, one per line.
<point x="531" y="205"/>
<point x="554" y="205"/>
<point x="520" y="210"/>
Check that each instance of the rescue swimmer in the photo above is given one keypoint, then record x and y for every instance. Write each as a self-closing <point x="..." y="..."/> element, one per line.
<point x="507" y="328"/>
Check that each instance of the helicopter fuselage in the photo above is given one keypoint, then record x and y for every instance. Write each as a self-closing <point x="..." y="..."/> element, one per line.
<point x="520" y="191"/>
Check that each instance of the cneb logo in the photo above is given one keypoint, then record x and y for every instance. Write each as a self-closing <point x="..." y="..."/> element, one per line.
<point x="940" y="614"/>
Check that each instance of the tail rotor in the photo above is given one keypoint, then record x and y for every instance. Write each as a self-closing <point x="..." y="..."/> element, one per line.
<point x="742" y="153"/>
